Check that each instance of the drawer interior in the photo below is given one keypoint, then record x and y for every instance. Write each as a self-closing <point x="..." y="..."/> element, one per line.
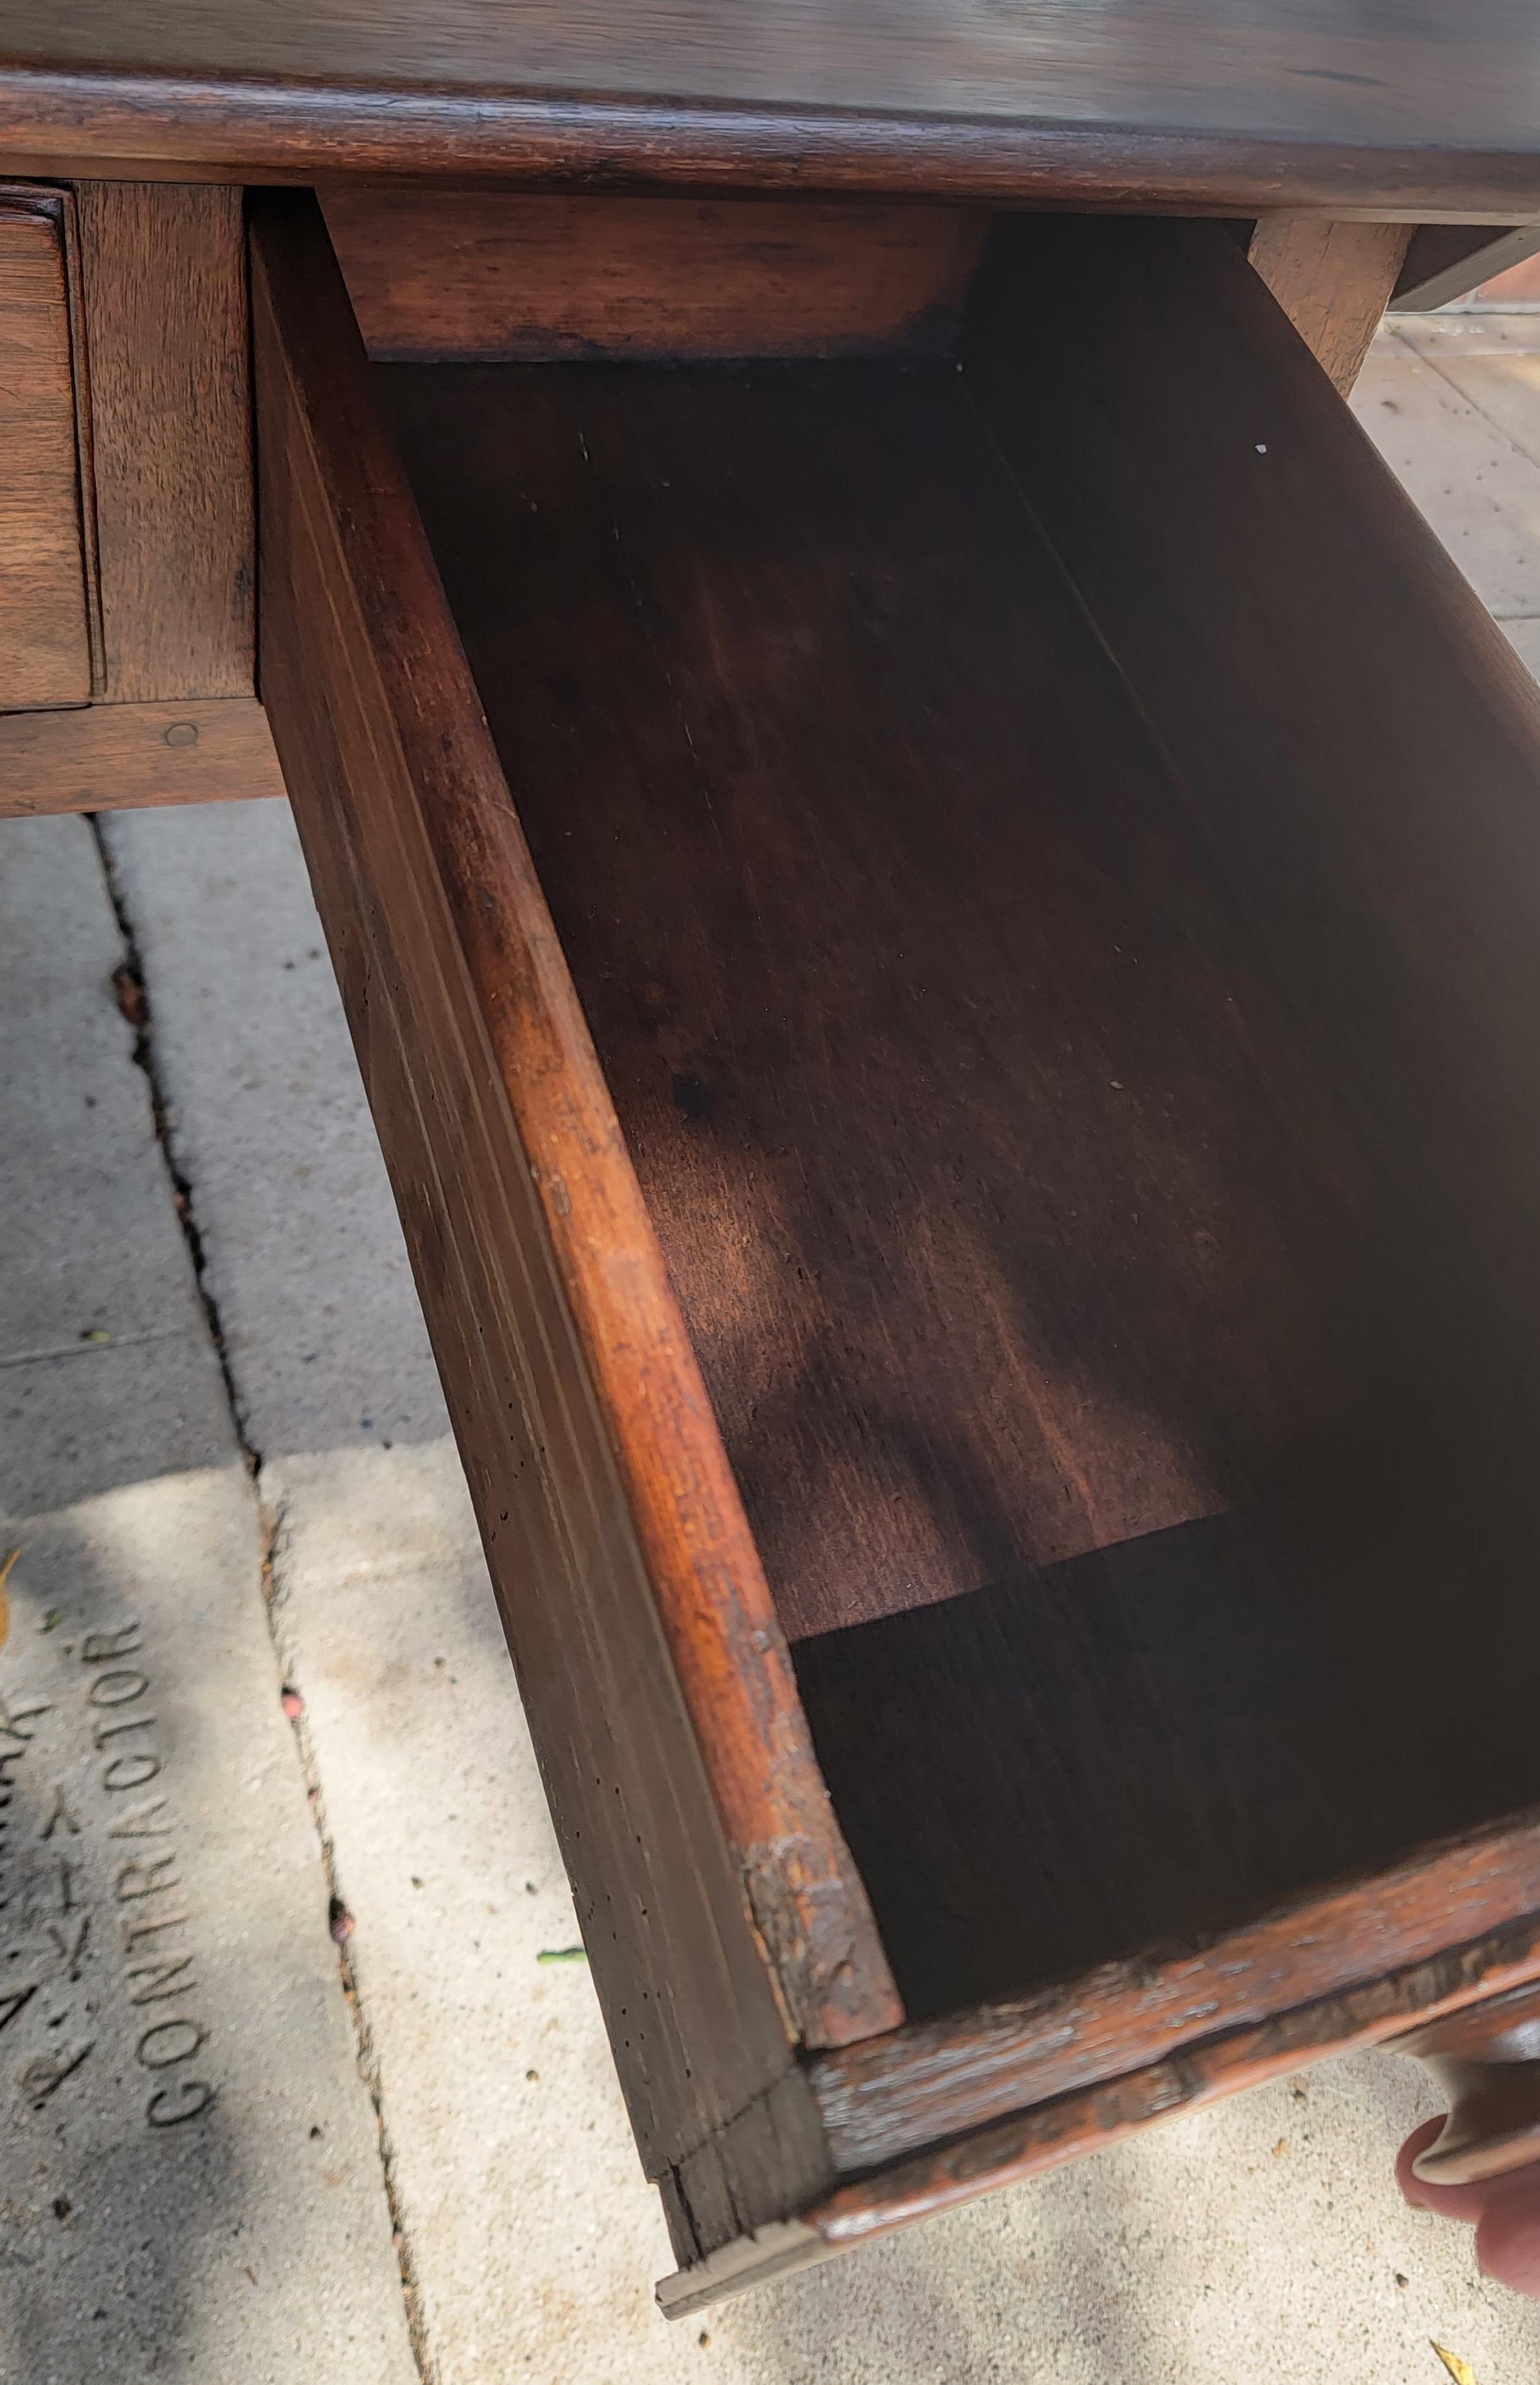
<point x="1130" y="1383"/>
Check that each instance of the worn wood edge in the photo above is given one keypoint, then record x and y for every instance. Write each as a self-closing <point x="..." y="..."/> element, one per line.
<point x="1029" y="2142"/>
<point x="710" y="2195"/>
<point x="1439" y="266"/>
<point x="776" y="2251"/>
<point x="27" y="197"/>
<point x="938" y="2079"/>
<point x="107" y="757"/>
<point x="252" y="123"/>
<point x="803" y="1893"/>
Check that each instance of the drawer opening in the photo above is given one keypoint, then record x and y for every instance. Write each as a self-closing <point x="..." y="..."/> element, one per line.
<point x="1075" y="1045"/>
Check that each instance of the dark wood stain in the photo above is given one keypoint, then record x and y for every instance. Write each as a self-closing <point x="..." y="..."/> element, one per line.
<point x="1295" y="67"/>
<point x="988" y="1227"/>
<point x="1254" y="103"/>
<point x="1148" y="1746"/>
<point x="1048" y="1276"/>
<point x="494" y="276"/>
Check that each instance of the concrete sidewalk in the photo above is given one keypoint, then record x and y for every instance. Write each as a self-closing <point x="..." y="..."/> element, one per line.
<point x="287" y="2092"/>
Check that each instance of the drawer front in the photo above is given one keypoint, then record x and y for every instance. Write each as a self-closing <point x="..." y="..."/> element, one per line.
<point x="45" y="636"/>
<point x="127" y="512"/>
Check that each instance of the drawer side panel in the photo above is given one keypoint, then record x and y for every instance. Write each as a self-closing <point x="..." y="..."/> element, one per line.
<point x="503" y="1153"/>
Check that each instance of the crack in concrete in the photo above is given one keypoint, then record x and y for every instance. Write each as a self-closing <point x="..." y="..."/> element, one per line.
<point x="275" y="1595"/>
<point x="133" y="1002"/>
<point x="128" y="978"/>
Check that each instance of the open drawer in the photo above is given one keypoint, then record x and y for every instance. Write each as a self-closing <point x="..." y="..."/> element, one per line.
<point x="959" y="1054"/>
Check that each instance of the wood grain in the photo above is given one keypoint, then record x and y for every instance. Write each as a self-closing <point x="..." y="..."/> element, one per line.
<point x="1334" y="281"/>
<point x="44" y="637"/>
<point x="165" y="300"/>
<point x="1032" y="2141"/>
<point x="720" y="1911"/>
<point x="1272" y="104"/>
<point x="107" y="757"/>
<point x="492" y="275"/>
<point x="928" y="2082"/>
<point x="800" y="712"/>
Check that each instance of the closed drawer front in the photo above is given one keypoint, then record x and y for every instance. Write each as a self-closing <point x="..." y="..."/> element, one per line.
<point x="957" y="1037"/>
<point x="45" y="641"/>
<point x="127" y="528"/>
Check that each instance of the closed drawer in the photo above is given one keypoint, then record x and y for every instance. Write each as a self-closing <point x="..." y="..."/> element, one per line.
<point x="947" y="954"/>
<point x="45" y="641"/>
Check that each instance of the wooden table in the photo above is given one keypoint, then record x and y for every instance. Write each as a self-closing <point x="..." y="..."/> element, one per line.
<point x="937" y="884"/>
